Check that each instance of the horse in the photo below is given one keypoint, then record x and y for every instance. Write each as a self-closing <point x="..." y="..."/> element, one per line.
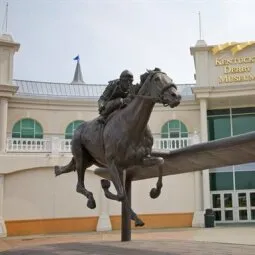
<point x="123" y="141"/>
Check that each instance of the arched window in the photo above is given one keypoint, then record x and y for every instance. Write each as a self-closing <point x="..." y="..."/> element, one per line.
<point x="71" y="128"/>
<point x="27" y="128"/>
<point x="174" y="129"/>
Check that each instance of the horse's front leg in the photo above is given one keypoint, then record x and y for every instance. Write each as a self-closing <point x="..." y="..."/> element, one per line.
<point x="117" y="179"/>
<point x="152" y="161"/>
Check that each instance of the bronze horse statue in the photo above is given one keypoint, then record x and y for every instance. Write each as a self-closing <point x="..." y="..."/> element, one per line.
<point x="123" y="142"/>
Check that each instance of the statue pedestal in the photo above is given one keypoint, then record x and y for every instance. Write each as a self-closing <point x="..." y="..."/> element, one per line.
<point x="198" y="219"/>
<point x="3" y="232"/>
<point x="104" y="223"/>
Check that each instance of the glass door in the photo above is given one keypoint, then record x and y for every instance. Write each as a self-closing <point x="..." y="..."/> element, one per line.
<point x="223" y="206"/>
<point x="252" y="205"/>
<point x="242" y="206"/>
<point x="245" y="201"/>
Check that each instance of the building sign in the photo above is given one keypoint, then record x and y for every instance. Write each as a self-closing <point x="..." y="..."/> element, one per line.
<point x="236" y="69"/>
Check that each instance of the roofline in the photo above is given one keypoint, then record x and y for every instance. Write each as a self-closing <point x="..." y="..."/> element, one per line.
<point x="87" y="84"/>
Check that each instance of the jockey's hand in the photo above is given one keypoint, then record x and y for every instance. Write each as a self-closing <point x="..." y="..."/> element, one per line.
<point x="126" y="101"/>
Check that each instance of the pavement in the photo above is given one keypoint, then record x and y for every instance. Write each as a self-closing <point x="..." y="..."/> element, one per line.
<point x="234" y="240"/>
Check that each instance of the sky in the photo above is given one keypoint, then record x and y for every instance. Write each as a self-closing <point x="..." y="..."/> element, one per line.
<point x="113" y="35"/>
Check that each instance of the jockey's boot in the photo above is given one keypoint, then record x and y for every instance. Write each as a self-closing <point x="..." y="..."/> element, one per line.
<point x="101" y="119"/>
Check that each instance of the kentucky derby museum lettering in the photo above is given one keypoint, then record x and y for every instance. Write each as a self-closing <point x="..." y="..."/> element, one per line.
<point x="236" y="69"/>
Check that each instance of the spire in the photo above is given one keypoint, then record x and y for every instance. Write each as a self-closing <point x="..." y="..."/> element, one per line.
<point x="77" y="79"/>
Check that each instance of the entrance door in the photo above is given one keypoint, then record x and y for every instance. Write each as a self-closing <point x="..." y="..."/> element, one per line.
<point x="245" y="205"/>
<point x="233" y="206"/>
<point x="223" y="205"/>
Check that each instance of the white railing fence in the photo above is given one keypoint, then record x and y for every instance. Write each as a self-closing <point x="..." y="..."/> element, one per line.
<point x="57" y="145"/>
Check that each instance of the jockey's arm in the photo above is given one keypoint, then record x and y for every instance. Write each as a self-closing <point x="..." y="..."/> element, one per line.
<point x="106" y="96"/>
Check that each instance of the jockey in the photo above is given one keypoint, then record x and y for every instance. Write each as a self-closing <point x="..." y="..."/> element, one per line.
<point x="117" y="92"/>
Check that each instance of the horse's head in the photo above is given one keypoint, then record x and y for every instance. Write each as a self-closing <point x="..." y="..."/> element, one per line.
<point x="161" y="88"/>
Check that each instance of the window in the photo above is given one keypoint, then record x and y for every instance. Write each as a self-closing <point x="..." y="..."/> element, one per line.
<point x="27" y="128"/>
<point x="174" y="129"/>
<point x="219" y="127"/>
<point x="71" y="128"/>
<point x="221" y="181"/>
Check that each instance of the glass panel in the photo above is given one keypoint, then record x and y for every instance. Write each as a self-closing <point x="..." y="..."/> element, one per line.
<point x="242" y="200"/>
<point x="27" y="123"/>
<point x="27" y="133"/>
<point x="77" y="124"/>
<point x="219" y="127"/>
<point x="174" y="124"/>
<point x="164" y="131"/>
<point x="228" y="200"/>
<point x="217" y="215"/>
<point x="221" y="181"/>
<point x="16" y="128"/>
<point x="184" y="134"/>
<point x="39" y="136"/>
<point x="243" y="110"/>
<point x="243" y="215"/>
<point x="253" y="214"/>
<point x="174" y="134"/>
<point x="16" y="135"/>
<point x="245" y="180"/>
<point x="243" y="123"/>
<point x="252" y="198"/>
<point x="38" y="128"/>
<point x="71" y="128"/>
<point x="229" y="215"/>
<point x="216" y="200"/>
<point x="218" y="112"/>
<point x="183" y="128"/>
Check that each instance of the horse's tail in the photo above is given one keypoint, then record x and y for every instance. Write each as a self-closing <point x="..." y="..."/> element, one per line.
<point x="65" y="169"/>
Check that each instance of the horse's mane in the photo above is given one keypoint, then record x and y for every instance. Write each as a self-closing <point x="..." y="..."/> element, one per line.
<point x="143" y="78"/>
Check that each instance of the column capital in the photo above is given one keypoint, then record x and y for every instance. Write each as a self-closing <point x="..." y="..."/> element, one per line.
<point x="7" y="91"/>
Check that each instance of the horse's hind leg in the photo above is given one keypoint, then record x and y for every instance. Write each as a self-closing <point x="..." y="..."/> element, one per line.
<point x="83" y="162"/>
<point x="65" y="169"/>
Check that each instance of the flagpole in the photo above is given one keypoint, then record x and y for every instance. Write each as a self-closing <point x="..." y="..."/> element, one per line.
<point x="5" y="21"/>
<point x="200" y="30"/>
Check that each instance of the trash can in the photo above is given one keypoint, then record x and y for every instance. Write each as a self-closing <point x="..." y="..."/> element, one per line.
<point x="209" y="218"/>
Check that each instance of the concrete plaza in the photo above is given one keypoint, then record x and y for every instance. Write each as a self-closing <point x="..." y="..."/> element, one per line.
<point x="234" y="240"/>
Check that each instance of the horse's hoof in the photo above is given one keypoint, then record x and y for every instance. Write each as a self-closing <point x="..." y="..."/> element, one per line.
<point x="155" y="193"/>
<point x="105" y="184"/>
<point x="57" y="170"/>
<point x="139" y="223"/>
<point x="91" y="203"/>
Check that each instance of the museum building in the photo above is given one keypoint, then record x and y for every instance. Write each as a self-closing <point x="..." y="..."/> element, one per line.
<point x="37" y="121"/>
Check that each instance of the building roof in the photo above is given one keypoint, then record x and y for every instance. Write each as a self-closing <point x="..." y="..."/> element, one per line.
<point x="67" y="90"/>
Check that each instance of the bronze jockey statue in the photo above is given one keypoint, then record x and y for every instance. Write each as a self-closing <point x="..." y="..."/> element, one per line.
<point x="116" y="93"/>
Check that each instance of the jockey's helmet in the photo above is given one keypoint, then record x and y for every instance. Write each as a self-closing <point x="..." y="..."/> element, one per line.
<point x="126" y="75"/>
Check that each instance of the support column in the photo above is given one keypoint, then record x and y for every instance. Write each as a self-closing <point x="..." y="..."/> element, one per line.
<point x="104" y="222"/>
<point x="3" y="123"/>
<point x="3" y="231"/>
<point x="198" y="214"/>
<point x="204" y="138"/>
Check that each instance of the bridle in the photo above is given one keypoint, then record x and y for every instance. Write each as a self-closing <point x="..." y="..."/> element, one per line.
<point x="160" y="99"/>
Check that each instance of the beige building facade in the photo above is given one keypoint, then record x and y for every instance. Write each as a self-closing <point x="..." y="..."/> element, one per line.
<point x="37" y="120"/>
